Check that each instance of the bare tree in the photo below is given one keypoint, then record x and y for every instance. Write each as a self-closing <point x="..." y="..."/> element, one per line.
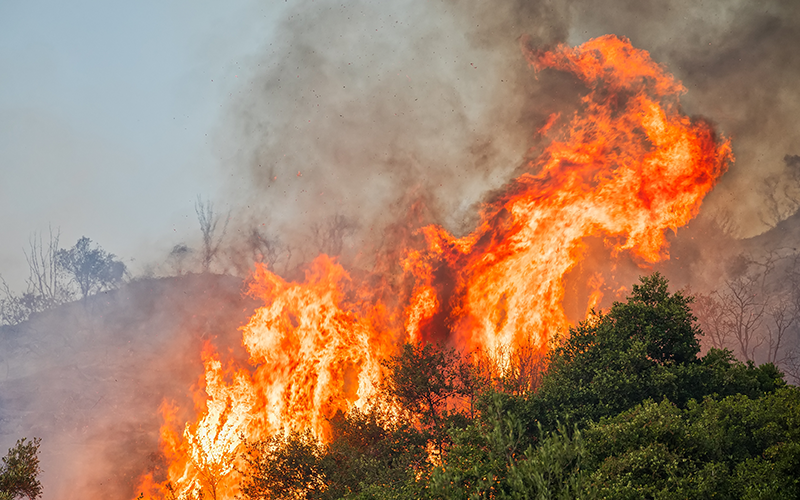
<point x="791" y="365"/>
<point x="329" y="237"/>
<point x="208" y="226"/>
<point x="265" y="249"/>
<point x="743" y="303"/>
<point x="744" y="310"/>
<point x="46" y="278"/>
<point x="46" y="285"/>
<point x="782" y="192"/>
<point x="712" y="318"/>
<point x="789" y="359"/>
<point x="756" y="311"/>
<point x="782" y="317"/>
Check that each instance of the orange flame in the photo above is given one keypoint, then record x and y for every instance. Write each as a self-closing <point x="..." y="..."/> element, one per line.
<point x="316" y="351"/>
<point x="627" y="167"/>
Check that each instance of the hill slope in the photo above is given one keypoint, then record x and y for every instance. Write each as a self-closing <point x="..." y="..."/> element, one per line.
<point x="89" y="377"/>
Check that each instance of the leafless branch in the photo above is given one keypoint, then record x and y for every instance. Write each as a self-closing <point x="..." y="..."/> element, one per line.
<point x="46" y="279"/>
<point x="711" y="316"/>
<point x="209" y="220"/>
<point x="783" y="316"/>
<point x="782" y="192"/>
<point x="329" y="237"/>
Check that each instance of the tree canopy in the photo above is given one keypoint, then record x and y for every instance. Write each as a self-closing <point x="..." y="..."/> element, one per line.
<point x="19" y="474"/>
<point x="626" y="408"/>
<point x="645" y="348"/>
<point x="91" y="268"/>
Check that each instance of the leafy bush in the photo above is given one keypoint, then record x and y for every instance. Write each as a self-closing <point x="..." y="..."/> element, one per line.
<point x="646" y="418"/>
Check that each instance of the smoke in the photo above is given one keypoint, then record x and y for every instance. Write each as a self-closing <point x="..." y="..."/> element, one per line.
<point x="363" y="110"/>
<point x="357" y="106"/>
<point x="738" y="62"/>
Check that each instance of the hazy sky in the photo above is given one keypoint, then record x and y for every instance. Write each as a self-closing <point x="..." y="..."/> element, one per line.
<point x="108" y="111"/>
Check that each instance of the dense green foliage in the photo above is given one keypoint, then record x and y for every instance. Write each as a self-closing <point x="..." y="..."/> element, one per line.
<point x="366" y="451"/>
<point x="20" y="470"/>
<point x="736" y="447"/>
<point x="625" y="410"/>
<point x="643" y="349"/>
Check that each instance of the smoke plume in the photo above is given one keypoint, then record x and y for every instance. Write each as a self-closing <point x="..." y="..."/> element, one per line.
<point x="355" y="107"/>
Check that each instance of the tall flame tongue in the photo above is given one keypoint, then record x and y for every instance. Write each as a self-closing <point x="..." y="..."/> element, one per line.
<point x="627" y="166"/>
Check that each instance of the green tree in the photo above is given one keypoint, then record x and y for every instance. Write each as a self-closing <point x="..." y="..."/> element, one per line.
<point x="736" y="447"/>
<point x="648" y="419"/>
<point x="435" y="386"/>
<point x="663" y="322"/>
<point x="372" y="450"/>
<point x="368" y="453"/>
<point x="495" y="457"/>
<point x="284" y="467"/>
<point x="19" y="474"/>
<point x="645" y="348"/>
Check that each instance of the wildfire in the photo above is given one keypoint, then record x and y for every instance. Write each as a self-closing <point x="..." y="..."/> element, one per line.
<point x="627" y="166"/>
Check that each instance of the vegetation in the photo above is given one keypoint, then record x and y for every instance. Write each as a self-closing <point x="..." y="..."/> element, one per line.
<point x="20" y="470"/>
<point x="626" y="409"/>
<point x="58" y="275"/>
<point x="755" y="311"/>
<point x="90" y="268"/>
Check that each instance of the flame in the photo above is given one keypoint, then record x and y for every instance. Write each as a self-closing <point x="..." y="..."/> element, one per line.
<point x="203" y="459"/>
<point x="627" y="167"/>
<point x="595" y="282"/>
<point x="316" y="351"/>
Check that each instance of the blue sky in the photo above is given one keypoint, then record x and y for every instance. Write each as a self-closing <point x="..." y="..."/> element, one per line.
<point x="108" y="111"/>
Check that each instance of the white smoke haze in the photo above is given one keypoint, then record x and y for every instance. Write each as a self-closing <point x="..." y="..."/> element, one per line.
<point x="360" y="109"/>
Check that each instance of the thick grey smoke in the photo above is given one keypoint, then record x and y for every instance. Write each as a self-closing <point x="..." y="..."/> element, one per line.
<point x="362" y="105"/>
<point x="359" y="105"/>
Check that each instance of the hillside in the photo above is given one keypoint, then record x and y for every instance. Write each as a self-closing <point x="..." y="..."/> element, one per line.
<point x="88" y="378"/>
